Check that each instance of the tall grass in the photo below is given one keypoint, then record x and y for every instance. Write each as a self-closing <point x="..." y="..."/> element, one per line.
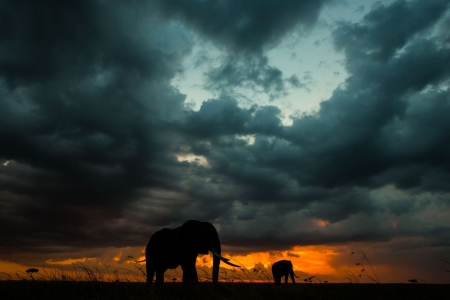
<point x="363" y="273"/>
<point x="80" y="281"/>
<point x="100" y="272"/>
<point x="79" y="271"/>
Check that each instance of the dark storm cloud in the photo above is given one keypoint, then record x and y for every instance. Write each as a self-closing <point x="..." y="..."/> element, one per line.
<point x="84" y="96"/>
<point x="345" y="142"/>
<point x="223" y="117"/>
<point x="218" y="117"/>
<point x="247" y="28"/>
<point x="388" y="28"/>
<point x="248" y="25"/>
<point x="238" y="72"/>
<point x="98" y="149"/>
<point x="266" y="120"/>
<point x="385" y="126"/>
<point x="50" y="38"/>
<point x="246" y="72"/>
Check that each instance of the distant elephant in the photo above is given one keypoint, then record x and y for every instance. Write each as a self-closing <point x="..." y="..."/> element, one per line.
<point x="169" y="248"/>
<point x="283" y="268"/>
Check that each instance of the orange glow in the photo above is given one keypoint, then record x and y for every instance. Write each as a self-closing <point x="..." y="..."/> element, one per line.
<point x="331" y="263"/>
<point x="117" y="258"/>
<point x="321" y="223"/>
<point x="140" y="258"/>
<point x="65" y="262"/>
<point x="308" y="259"/>
<point x="9" y="269"/>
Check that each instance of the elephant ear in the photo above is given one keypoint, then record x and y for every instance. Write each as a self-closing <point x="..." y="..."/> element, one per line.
<point x="208" y="230"/>
<point x="193" y="236"/>
<point x="199" y="237"/>
<point x="209" y="239"/>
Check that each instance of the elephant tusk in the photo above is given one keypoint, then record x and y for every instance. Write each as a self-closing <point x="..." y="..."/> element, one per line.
<point x="225" y="260"/>
<point x="233" y="265"/>
<point x="218" y="255"/>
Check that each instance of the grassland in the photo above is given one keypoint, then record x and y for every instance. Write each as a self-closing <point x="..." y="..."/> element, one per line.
<point x="247" y="291"/>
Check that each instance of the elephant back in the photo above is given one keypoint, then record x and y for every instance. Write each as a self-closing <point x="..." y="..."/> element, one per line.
<point x="162" y="248"/>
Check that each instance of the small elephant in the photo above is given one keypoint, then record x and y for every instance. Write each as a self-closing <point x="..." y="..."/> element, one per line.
<point x="283" y="268"/>
<point x="169" y="248"/>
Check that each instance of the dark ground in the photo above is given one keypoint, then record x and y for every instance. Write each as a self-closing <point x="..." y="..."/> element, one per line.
<point x="247" y="291"/>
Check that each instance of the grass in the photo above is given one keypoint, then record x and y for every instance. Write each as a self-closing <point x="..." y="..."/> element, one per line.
<point x="248" y="291"/>
<point x="364" y="273"/>
<point x="99" y="282"/>
<point x="79" y="272"/>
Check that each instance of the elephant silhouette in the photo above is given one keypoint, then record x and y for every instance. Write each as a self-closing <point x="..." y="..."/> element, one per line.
<point x="283" y="268"/>
<point x="170" y="248"/>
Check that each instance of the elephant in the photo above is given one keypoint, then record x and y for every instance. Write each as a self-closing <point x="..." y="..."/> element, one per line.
<point x="283" y="268"/>
<point x="169" y="248"/>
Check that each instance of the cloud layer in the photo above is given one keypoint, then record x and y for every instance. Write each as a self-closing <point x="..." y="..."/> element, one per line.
<point x="99" y="149"/>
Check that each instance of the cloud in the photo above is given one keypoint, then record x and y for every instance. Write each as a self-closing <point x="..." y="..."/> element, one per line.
<point x="387" y="29"/>
<point x="218" y="117"/>
<point x="250" y="72"/>
<point x="100" y="150"/>
<point x="346" y="140"/>
<point x="244" y="25"/>
<point x="375" y="130"/>
<point x="83" y="104"/>
<point x="245" y="29"/>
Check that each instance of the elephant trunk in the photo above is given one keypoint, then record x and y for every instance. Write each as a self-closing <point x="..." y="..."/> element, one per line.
<point x="216" y="250"/>
<point x="216" y="262"/>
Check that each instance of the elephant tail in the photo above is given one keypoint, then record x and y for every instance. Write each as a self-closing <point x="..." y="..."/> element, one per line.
<point x="296" y="275"/>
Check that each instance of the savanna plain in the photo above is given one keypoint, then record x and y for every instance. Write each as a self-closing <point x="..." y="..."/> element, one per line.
<point x="82" y="282"/>
<point x="206" y="290"/>
<point x="86" y="283"/>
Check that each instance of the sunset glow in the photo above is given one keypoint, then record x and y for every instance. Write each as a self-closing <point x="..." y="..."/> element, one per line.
<point x="66" y="261"/>
<point x="321" y="223"/>
<point x="311" y="259"/>
<point x="314" y="131"/>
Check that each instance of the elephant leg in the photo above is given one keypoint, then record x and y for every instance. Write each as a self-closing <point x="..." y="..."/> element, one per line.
<point x="286" y="278"/>
<point x="160" y="276"/>
<point x="189" y="271"/>
<point x="190" y="274"/>
<point x="292" y="277"/>
<point x="150" y="273"/>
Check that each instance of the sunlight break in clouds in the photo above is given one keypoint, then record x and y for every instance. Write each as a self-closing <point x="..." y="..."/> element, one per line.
<point x="193" y="158"/>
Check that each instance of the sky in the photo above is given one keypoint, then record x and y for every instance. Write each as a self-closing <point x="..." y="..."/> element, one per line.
<point x="302" y="129"/>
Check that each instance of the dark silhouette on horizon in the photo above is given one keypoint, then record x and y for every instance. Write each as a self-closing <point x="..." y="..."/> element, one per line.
<point x="283" y="268"/>
<point x="170" y="248"/>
